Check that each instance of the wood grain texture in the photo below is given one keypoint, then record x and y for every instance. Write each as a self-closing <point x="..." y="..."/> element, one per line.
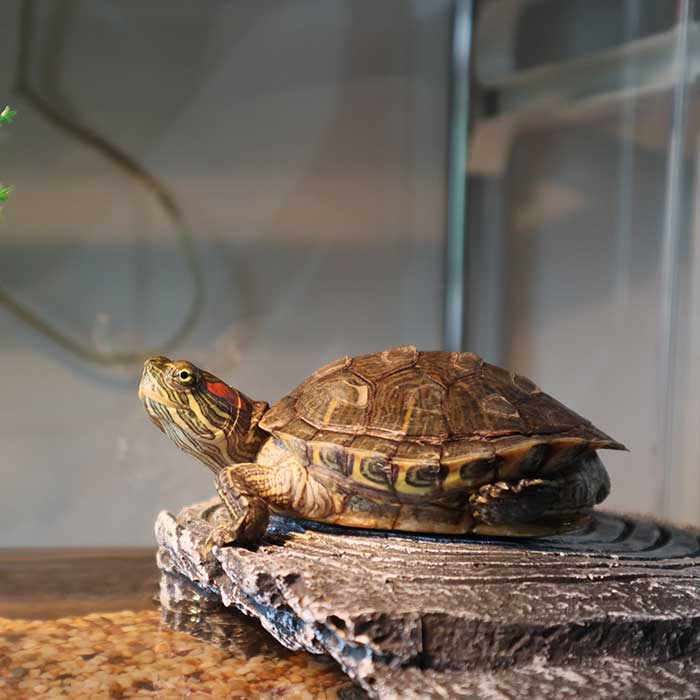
<point x="609" y="611"/>
<point x="52" y="583"/>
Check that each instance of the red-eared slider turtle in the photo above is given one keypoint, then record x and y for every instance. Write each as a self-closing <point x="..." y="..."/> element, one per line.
<point x="432" y="442"/>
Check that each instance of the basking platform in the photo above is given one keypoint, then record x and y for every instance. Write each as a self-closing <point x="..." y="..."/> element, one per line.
<point x="608" y="611"/>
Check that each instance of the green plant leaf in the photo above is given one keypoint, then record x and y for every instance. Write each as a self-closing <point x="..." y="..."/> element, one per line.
<point x="7" y="115"/>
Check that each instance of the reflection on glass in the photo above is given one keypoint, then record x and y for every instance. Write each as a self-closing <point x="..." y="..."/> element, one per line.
<point x="582" y="234"/>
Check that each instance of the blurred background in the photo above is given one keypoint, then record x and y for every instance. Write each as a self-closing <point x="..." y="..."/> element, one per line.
<point x="263" y="186"/>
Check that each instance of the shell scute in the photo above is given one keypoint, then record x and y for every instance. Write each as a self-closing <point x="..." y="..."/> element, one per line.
<point x="498" y="405"/>
<point x="546" y="415"/>
<point x="296" y="436"/>
<point x="334" y="436"/>
<point x="339" y="400"/>
<point x="540" y="412"/>
<point x="470" y="463"/>
<point x="418" y="469"/>
<point x="442" y="367"/>
<point x="415" y="452"/>
<point x="329" y="455"/>
<point x="475" y="474"/>
<point x="371" y="443"/>
<point x="421" y="479"/>
<point x="379" y="364"/>
<point x="563" y="451"/>
<point x="371" y="470"/>
<point x="521" y="456"/>
<point x="330" y="368"/>
<point x="279" y="415"/>
<point x="467" y="361"/>
<point x="476" y="405"/>
<point x="525" y="384"/>
<point x="410" y="404"/>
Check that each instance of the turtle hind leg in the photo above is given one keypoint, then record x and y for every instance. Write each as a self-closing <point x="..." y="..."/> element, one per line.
<point x="523" y="509"/>
<point x="504" y="504"/>
<point x="531" y="507"/>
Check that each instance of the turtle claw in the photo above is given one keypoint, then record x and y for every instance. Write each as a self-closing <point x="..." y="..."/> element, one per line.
<point x="504" y="503"/>
<point x="248" y="529"/>
<point x="219" y="536"/>
<point x="207" y="550"/>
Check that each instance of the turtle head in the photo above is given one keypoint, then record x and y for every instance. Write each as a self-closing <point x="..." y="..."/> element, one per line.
<point x="200" y="413"/>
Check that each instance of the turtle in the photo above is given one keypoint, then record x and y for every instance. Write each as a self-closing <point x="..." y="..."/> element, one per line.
<point x="431" y="442"/>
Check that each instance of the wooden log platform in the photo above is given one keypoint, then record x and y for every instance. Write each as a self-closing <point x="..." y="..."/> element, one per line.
<point x="609" y="611"/>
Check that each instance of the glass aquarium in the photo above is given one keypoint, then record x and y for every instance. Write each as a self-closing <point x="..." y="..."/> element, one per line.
<point x="263" y="187"/>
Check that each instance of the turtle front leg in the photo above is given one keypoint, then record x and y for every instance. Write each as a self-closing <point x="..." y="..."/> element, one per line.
<point x="244" y="488"/>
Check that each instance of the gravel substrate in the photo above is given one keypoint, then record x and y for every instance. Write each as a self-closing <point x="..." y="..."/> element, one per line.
<point x="119" y="656"/>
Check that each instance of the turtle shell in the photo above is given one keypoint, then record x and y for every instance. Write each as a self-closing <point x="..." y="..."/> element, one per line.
<point x="426" y="424"/>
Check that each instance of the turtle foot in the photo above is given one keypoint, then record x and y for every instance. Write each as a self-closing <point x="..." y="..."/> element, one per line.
<point x="505" y="503"/>
<point x="247" y="529"/>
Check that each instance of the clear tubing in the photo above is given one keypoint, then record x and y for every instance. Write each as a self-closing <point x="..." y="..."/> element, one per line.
<point x="670" y="277"/>
<point x="457" y="178"/>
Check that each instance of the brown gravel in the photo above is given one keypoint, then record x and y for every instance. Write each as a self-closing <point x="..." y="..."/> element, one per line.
<point x="119" y="656"/>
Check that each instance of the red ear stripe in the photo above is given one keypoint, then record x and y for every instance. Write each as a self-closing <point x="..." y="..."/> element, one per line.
<point x="224" y="391"/>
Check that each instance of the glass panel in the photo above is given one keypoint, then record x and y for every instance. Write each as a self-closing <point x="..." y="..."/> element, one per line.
<point x="582" y="226"/>
<point x="304" y="144"/>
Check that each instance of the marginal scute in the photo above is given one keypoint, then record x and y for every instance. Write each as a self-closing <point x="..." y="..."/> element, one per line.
<point x="295" y="436"/>
<point x="423" y="478"/>
<point x="418" y="469"/>
<point x="525" y="384"/>
<point x="448" y="521"/>
<point x="379" y="364"/>
<point x="279" y="415"/>
<point x="295" y="445"/>
<point x="520" y="456"/>
<point x="475" y="474"/>
<point x="329" y="455"/>
<point x="335" y="437"/>
<point x="468" y="450"/>
<point x="371" y="470"/>
<point x="361" y="510"/>
<point x="563" y="451"/>
<point x="330" y="368"/>
<point x="413" y="453"/>
<point x="370" y="443"/>
<point x="534" y="459"/>
<point x="470" y="463"/>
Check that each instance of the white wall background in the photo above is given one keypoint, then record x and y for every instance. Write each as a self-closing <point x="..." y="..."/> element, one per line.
<point x="306" y="142"/>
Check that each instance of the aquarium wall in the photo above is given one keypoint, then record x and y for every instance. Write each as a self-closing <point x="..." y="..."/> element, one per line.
<point x="583" y="233"/>
<point x="259" y="187"/>
<point x="262" y="187"/>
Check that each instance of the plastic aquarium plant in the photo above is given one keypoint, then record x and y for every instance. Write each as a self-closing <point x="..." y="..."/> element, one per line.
<point x="6" y="117"/>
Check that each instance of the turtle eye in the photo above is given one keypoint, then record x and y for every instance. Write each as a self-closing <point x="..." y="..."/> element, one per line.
<point x="184" y="376"/>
